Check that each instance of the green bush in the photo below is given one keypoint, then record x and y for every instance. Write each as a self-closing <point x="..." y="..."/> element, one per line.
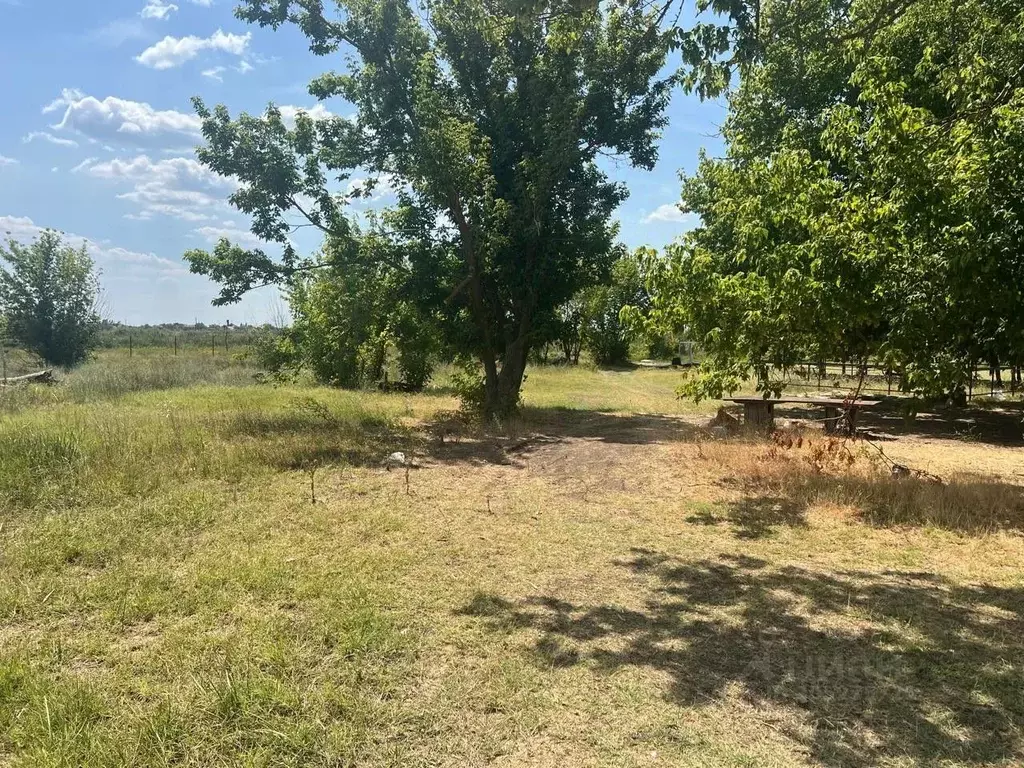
<point x="605" y="335"/>
<point x="348" y="325"/>
<point x="48" y="293"/>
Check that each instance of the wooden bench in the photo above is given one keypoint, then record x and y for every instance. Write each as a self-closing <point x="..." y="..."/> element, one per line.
<point x="840" y="415"/>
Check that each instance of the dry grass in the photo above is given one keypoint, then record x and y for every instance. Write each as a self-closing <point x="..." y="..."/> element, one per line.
<point x="598" y="588"/>
<point x="802" y="470"/>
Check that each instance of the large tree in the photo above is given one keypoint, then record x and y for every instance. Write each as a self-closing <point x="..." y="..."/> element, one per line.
<point x="48" y="296"/>
<point x="488" y="117"/>
<point x="871" y="203"/>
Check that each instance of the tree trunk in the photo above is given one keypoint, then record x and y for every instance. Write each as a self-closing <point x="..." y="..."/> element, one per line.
<point x="501" y="388"/>
<point x="501" y="396"/>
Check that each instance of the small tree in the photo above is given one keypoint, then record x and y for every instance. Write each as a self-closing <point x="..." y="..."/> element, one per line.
<point x="605" y="335"/>
<point x="48" y="294"/>
<point x="348" y="317"/>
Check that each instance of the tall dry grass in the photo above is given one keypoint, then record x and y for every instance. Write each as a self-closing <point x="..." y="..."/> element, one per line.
<point x="808" y="469"/>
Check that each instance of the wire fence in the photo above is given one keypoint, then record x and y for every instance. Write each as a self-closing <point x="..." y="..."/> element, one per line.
<point x="214" y="343"/>
<point x="16" y="361"/>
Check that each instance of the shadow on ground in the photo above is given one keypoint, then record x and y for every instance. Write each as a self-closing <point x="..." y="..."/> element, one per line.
<point x="999" y="424"/>
<point x="876" y="666"/>
<point x="754" y="517"/>
<point x="311" y="433"/>
<point x="967" y="504"/>
<point x="448" y="441"/>
<point x="632" y="429"/>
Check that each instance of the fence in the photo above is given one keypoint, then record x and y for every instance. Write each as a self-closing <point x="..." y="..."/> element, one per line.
<point x="15" y="361"/>
<point x="878" y="380"/>
<point x="215" y="343"/>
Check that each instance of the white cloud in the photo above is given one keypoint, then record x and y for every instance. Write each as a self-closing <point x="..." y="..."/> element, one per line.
<point x="179" y="187"/>
<point x="142" y="168"/>
<point x="214" y="73"/>
<point x="23" y="229"/>
<point x="670" y="212"/>
<point x="175" y="51"/>
<point x="84" y="164"/>
<point x="167" y="209"/>
<point x="230" y="232"/>
<point x="7" y="161"/>
<point x="50" y="138"/>
<point x="316" y="112"/>
<point x="157" y="9"/>
<point x="243" y="67"/>
<point x="120" y="120"/>
<point x="155" y="193"/>
<point x="55" y="169"/>
<point x="204" y="3"/>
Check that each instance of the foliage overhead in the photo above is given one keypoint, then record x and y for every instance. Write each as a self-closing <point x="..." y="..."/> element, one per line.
<point x="48" y="295"/>
<point x="871" y="203"/>
<point x="487" y="118"/>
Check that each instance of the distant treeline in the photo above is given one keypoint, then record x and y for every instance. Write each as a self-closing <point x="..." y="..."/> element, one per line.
<point x="190" y="335"/>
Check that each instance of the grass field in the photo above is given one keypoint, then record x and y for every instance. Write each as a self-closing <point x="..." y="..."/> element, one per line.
<point x="603" y="584"/>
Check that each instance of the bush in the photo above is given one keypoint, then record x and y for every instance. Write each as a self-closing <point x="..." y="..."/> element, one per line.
<point x="48" y="297"/>
<point x="349" y="324"/>
<point x="605" y="336"/>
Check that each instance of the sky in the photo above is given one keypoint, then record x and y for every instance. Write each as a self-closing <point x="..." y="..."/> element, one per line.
<point x="98" y="135"/>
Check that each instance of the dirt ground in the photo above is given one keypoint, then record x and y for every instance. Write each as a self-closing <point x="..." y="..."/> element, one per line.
<point x="606" y="589"/>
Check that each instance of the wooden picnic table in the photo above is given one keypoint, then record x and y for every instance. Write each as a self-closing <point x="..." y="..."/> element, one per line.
<point x="840" y="415"/>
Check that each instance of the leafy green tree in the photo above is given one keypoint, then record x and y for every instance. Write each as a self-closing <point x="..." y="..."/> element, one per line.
<point x="871" y="203"/>
<point x="48" y="295"/>
<point x="606" y="334"/>
<point x="489" y="118"/>
<point x="348" y="318"/>
<point x="569" y="329"/>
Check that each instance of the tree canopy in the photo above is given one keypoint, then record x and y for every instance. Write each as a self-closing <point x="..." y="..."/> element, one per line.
<point x="871" y="202"/>
<point x="48" y="295"/>
<point x="488" y="118"/>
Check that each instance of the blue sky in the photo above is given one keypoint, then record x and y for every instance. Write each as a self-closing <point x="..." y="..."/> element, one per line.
<point x="97" y="140"/>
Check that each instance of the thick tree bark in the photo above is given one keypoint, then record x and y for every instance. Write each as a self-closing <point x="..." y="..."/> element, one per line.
<point x="501" y="387"/>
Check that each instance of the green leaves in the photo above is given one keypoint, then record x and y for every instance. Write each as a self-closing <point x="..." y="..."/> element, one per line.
<point x="48" y="294"/>
<point x="870" y="204"/>
<point x="489" y="116"/>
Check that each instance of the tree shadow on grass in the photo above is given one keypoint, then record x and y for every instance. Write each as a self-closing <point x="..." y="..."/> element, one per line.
<point x="877" y="666"/>
<point x="627" y="429"/>
<point x="753" y="517"/>
<point x="310" y="432"/>
<point x="970" y="504"/>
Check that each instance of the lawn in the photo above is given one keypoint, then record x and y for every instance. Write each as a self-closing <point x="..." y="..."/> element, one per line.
<point x="603" y="584"/>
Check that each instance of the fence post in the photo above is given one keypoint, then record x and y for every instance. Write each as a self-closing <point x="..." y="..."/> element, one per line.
<point x="3" y="353"/>
<point x="213" y="344"/>
<point x="227" y="344"/>
<point x="129" y="345"/>
<point x="175" y="345"/>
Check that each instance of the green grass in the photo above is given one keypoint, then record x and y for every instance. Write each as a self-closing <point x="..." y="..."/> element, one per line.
<point x="152" y="610"/>
<point x="606" y="588"/>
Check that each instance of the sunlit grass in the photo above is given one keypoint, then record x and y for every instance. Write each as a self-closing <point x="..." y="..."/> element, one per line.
<point x="598" y="588"/>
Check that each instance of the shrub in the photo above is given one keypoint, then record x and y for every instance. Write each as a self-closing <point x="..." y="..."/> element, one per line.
<point x="48" y="297"/>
